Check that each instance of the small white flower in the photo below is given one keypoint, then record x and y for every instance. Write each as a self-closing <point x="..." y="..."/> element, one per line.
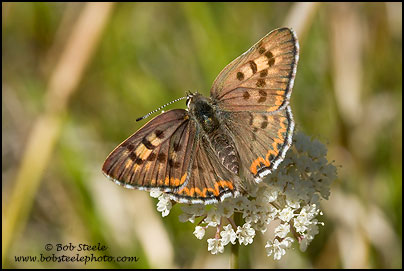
<point x="315" y="198"/>
<point x="304" y="243"/>
<point x="301" y="221"/>
<point x="245" y="234"/>
<point x="329" y="171"/>
<point x="287" y="242"/>
<point x="250" y="213"/>
<point x="312" y="230"/>
<point x="155" y="193"/>
<point x="191" y="211"/>
<point x="278" y="248"/>
<point x="261" y="226"/>
<point x="199" y="232"/>
<point x="270" y="214"/>
<point x="164" y="205"/>
<point x="312" y="211"/>
<point x="240" y="203"/>
<point x="228" y="235"/>
<point x="275" y="248"/>
<point x="317" y="149"/>
<point x="269" y="248"/>
<point x="215" y="246"/>
<point x="225" y="208"/>
<point x="282" y="230"/>
<point x="294" y="203"/>
<point x="194" y="209"/>
<point x="269" y="195"/>
<point x="184" y="217"/>
<point x="286" y="214"/>
<point x="213" y="218"/>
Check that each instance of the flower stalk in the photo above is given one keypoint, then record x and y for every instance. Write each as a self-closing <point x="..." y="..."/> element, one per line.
<point x="235" y="248"/>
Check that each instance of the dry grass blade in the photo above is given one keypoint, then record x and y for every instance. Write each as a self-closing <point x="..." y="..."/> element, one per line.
<point x="62" y="83"/>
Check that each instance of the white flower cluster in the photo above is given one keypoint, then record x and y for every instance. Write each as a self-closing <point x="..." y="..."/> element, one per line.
<point x="290" y="196"/>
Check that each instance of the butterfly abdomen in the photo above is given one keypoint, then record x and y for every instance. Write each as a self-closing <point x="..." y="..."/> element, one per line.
<point x="225" y="150"/>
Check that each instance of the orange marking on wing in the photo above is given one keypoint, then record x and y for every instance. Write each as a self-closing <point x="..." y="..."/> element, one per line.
<point x="170" y="181"/>
<point x="203" y="193"/>
<point x="272" y="108"/>
<point x="279" y="139"/>
<point x="282" y="124"/>
<point x="128" y="163"/>
<point x="213" y="191"/>
<point x="198" y="191"/>
<point x="275" y="146"/>
<point x="269" y="154"/>
<point x="183" y="178"/>
<point x="257" y="163"/>
<point x="229" y="185"/>
<point x="191" y="192"/>
<point x="142" y="152"/>
<point x="184" y="191"/>
<point x="217" y="189"/>
<point x="279" y="100"/>
<point x="178" y="182"/>
<point x="280" y="134"/>
<point x="153" y="139"/>
<point x="173" y="181"/>
<point x="135" y="167"/>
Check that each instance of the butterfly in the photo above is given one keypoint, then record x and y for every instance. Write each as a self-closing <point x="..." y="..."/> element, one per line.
<point x="220" y="144"/>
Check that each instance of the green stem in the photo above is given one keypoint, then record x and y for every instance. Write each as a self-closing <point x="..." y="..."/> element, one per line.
<point x="234" y="260"/>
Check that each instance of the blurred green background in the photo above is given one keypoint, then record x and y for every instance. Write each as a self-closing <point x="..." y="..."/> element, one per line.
<point x="75" y="76"/>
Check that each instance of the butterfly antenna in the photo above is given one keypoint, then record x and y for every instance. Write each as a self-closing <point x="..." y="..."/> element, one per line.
<point x="161" y="107"/>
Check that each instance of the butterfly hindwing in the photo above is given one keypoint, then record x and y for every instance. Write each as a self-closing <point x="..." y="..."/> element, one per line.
<point x="156" y="156"/>
<point x="262" y="78"/>
<point x="262" y="139"/>
<point x="209" y="181"/>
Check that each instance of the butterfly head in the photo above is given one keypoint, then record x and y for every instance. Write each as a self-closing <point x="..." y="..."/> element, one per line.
<point x="191" y="97"/>
<point x="202" y="110"/>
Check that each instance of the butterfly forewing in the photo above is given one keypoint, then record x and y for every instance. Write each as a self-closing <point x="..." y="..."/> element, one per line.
<point x="262" y="78"/>
<point x="156" y="156"/>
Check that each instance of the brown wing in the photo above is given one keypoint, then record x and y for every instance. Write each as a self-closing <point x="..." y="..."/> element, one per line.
<point x="156" y="156"/>
<point x="262" y="139"/>
<point x="261" y="79"/>
<point x="209" y="181"/>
